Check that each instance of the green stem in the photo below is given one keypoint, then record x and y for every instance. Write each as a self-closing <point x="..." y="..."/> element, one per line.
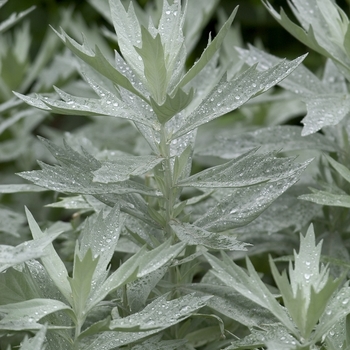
<point x="168" y="180"/>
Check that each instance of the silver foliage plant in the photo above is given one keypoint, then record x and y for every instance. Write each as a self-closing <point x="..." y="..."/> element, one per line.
<point x="161" y="220"/>
<point x="147" y="83"/>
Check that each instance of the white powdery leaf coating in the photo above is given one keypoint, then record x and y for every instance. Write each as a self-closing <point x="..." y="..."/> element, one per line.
<point x="327" y="198"/>
<point x="156" y="344"/>
<point x="139" y="290"/>
<point x="336" y="310"/>
<point x="75" y="175"/>
<point x="306" y="271"/>
<point x="158" y="257"/>
<point x="101" y="236"/>
<point x="28" y="312"/>
<point x="238" y="207"/>
<point x="19" y="188"/>
<point x="160" y="313"/>
<point x="287" y="211"/>
<point x="128" y="30"/>
<point x="11" y="221"/>
<point x="10" y="256"/>
<point x="125" y="166"/>
<point x="333" y="78"/>
<point x="275" y="336"/>
<point x="170" y="31"/>
<point x="194" y="235"/>
<point x="36" y="342"/>
<point x="229" y="95"/>
<point x="326" y="23"/>
<point x="125" y="69"/>
<point x="301" y="81"/>
<point x="233" y="304"/>
<point x="325" y="110"/>
<point x="248" y="169"/>
<point x="281" y="137"/>
<point x="108" y="105"/>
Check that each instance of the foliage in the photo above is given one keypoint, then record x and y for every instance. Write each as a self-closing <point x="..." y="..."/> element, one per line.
<point x="178" y="173"/>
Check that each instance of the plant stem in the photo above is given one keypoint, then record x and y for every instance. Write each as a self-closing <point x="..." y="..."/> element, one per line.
<point x="169" y="182"/>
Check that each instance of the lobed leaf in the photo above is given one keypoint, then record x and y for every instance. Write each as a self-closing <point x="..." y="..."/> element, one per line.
<point x="229" y="95"/>
<point x="309" y="289"/>
<point x="24" y="315"/>
<point x="160" y="314"/>
<point x="194" y="235"/>
<point x="232" y="304"/>
<point x="325" y="111"/>
<point x="128" y="30"/>
<point x="282" y="137"/>
<point x="238" y="207"/>
<point x="335" y="311"/>
<point x="35" y="343"/>
<point x="340" y="168"/>
<point x="123" y="167"/>
<point x="155" y="343"/>
<point x="81" y="281"/>
<point x="155" y="70"/>
<point x="274" y="336"/>
<point x="101" y="236"/>
<point x="52" y="262"/>
<point x="75" y="175"/>
<point x="139" y="290"/>
<point x="10" y="256"/>
<point x="19" y="188"/>
<point x="209" y="52"/>
<point x="250" y="285"/>
<point x="98" y="61"/>
<point x="248" y="169"/>
<point x="327" y="198"/>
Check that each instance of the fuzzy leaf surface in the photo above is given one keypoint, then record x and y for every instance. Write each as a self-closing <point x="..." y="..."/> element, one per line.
<point x="81" y="281"/>
<point x="160" y="314"/>
<point x="234" y="305"/>
<point x="337" y="309"/>
<point x="98" y="61"/>
<point x="327" y="198"/>
<point x="125" y="166"/>
<point x="139" y="290"/>
<point x="248" y="169"/>
<point x="19" y="188"/>
<point x="325" y="104"/>
<point x="340" y="168"/>
<point x="248" y="284"/>
<point x="11" y="221"/>
<point x="238" y="207"/>
<point x="10" y="256"/>
<point x="25" y="314"/>
<point x="52" y="262"/>
<point x="36" y="342"/>
<point x="209" y="52"/>
<point x="75" y="175"/>
<point x="155" y="71"/>
<point x="194" y="235"/>
<point x="271" y="335"/>
<point x="157" y="344"/>
<point x="229" y="95"/>
<point x="139" y="265"/>
<point x="281" y="137"/>
<point x="101" y="235"/>
<point x="309" y="289"/>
